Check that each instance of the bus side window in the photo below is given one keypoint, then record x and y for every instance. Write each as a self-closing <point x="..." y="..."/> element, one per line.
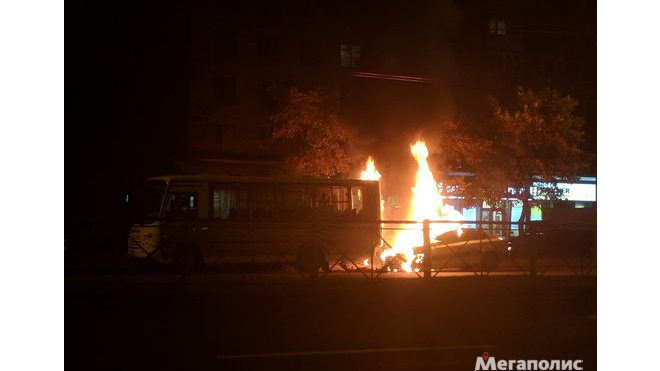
<point x="181" y="204"/>
<point x="263" y="202"/>
<point x="294" y="203"/>
<point x="323" y="198"/>
<point x="243" y="204"/>
<point x="356" y="199"/>
<point x="224" y="201"/>
<point x="340" y="199"/>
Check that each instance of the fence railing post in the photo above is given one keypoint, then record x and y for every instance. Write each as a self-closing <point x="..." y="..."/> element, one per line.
<point x="426" y="230"/>
<point x="532" y="247"/>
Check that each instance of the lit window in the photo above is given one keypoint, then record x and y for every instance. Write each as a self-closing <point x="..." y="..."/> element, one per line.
<point x="471" y="215"/>
<point x="516" y="212"/>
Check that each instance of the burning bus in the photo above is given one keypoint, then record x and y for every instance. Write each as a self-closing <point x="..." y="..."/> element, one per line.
<point x="207" y="219"/>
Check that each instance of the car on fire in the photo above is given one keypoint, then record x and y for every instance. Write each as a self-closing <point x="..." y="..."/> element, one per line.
<point x="471" y="249"/>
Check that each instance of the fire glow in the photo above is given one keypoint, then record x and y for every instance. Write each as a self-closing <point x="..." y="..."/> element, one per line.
<point x="370" y="172"/>
<point x="426" y="203"/>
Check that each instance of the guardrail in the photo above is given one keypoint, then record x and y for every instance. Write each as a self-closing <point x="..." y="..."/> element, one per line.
<point x="487" y="247"/>
<point x="483" y="248"/>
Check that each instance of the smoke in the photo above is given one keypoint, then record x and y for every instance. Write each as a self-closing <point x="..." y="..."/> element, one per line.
<point x="390" y="115"/>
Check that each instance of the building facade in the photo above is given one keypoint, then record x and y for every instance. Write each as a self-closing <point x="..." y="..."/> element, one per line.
<point x="398" y="68"/>
<point x="386" y="63"/>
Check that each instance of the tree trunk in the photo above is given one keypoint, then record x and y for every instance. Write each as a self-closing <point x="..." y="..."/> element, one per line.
<point x="523" y="227"/>
<point x="526" y="211"/>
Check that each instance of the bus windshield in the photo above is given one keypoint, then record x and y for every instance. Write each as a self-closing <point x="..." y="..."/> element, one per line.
<point x="154" y="190"/>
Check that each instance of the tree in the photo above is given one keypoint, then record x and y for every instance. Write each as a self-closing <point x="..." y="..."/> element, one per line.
<point x="537" y="144"/>
<point x="312" y="136"/>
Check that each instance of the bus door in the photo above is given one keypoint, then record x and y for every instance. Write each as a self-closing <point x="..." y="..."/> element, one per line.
<point x="184" y="214"/>
<point x="144" y="234"/>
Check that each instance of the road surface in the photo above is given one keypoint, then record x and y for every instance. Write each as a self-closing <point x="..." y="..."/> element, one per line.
<point x="346" y="323"/>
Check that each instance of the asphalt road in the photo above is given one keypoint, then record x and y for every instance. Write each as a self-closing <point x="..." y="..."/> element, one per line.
<point x="289" y="323"/>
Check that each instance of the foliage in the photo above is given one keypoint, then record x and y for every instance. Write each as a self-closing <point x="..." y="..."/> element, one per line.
<point x="537" y="142"/>
<point x="312" y="136"/>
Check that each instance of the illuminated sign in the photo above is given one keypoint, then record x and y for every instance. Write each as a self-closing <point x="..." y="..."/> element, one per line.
<point x="572" y="191"/>
<point x="578" y="191"/>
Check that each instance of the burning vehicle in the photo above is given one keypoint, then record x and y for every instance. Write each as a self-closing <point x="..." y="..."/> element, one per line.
<point x="426" y="203"/>
<point x="473" y="249"/>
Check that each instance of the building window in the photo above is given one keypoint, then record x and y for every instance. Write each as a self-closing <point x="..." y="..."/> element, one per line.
<point x="225" y="90"/>
<point x="497" y="27"/>
<point x="349" y="55"/>
<point x="268" y="51"/>
<point x="471" y="215"/>
<point x="516" y="212"/>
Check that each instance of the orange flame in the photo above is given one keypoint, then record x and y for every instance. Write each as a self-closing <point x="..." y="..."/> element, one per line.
<point x="426" y="203"/>
<point x="370" y="172"/>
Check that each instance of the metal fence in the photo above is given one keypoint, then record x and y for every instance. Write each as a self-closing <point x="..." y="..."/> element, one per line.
<point x="480" y="248"/>
<point x="487" y="247"/>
